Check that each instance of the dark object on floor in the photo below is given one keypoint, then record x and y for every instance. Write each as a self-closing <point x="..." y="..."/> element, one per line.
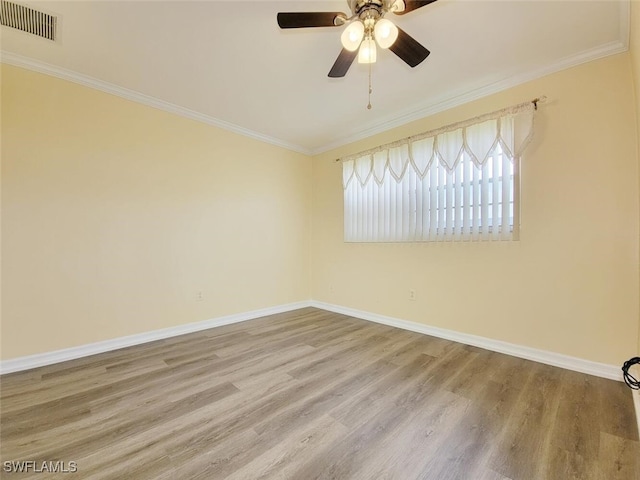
<point x="629" y="379"/>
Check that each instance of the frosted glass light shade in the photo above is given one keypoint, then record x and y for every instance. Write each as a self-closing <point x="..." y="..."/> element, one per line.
<point x="386" y="33"/>
<point x="352" y="36"/>
<point x="367" y="53"/>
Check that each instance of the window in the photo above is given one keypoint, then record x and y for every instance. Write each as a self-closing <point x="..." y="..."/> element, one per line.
<point x="457" y="183"/>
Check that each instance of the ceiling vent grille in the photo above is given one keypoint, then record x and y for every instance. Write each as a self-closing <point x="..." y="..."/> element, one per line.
<point x="28" y="20"/>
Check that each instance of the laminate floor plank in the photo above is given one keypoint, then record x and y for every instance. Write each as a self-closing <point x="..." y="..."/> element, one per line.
<point x="348" y="456"/>
<point x="165" y="438"/>
<point x="468" y="444"/>
<point x="525" y="440"/>
<point x="414" y="448"/>
<point x="359" y="408"/>
<point x="620" y="458"/>
<point x="564" y="465"/>
<point x="108" y="410"/>
<point x="311" y="394"/>
<point x="198" y="459"/>
<point x="617" y="410"/>
<point x="315" y="406"/>
<point x="281" y="460"/>
<point x="489" y="474"/>
<point x="581" y="435"/>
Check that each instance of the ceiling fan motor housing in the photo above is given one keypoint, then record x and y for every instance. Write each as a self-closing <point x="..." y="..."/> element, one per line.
<point x="374" y="9"/>
<point x="367" y="8"/>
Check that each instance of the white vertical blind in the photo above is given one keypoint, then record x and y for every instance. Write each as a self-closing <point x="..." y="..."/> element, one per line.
<point x="454" y="183"/>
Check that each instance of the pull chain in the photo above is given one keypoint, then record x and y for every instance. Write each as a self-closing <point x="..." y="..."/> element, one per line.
<point x="370" y="88"/>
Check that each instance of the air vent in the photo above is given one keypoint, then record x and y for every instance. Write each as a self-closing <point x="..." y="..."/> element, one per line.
<point x="28" y="20"/>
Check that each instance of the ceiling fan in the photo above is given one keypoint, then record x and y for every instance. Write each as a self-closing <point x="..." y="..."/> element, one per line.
<point x="366" y="28"/>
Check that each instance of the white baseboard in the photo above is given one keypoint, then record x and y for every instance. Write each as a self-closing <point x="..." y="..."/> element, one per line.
<point x="48" y="358"/>
<point x="542" y="356"/>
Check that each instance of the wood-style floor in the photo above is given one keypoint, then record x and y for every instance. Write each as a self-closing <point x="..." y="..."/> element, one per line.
<point x="311" y="394"/>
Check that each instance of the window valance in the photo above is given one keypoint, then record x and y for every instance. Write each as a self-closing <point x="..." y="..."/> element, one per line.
<point x="510" y="128"/>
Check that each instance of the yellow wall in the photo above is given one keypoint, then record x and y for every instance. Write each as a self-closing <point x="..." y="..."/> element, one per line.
<point x="570" y="285"/>
<point x="634" y="48"/>
<point x="115" y="214"/>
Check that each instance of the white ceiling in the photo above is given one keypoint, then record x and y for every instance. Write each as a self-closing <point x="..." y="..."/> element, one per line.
<point x="228" y="63"/>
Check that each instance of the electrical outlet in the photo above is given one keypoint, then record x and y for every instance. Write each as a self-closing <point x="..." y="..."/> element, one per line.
<point x="412" y="294"/>
<point x="199" y="296"/>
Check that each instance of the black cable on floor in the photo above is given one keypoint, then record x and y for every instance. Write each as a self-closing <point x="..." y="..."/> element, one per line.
<point x="629" y="379"/>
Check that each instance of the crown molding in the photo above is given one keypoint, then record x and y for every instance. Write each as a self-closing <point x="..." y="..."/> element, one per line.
<point x="432" y="108"/>
<point x="91" y="82"/>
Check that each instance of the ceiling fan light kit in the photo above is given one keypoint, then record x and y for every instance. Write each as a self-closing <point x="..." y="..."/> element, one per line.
<point x="365" y="28"/>
<point x="367" y="52"/>
<point x="352" y="36"/>
<point x="385" y="33"/>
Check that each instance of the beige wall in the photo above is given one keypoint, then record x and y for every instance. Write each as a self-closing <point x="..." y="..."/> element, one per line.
<point x="570" y="285"/>
<point x="115" y="214"/>
<point x="634" y="48"/>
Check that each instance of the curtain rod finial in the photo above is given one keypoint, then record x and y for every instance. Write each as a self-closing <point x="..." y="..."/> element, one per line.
<point x="538" y="100"/>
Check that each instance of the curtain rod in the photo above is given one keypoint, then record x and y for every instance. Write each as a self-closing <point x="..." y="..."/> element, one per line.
<point x="452" y="126"/>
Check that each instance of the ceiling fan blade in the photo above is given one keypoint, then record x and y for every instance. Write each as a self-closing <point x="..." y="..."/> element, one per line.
<point x="309" y="19"/>
<point x="411" y="5"/>
<point x="409" y="49"/>
<point x="342" y="63"/>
